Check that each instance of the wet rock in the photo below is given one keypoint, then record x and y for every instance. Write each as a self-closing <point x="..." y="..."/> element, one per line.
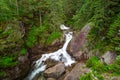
<point x="76" y="72"/>
<point x="55" y="71"/>
<point x="50" y="63"/>
<point x="109" y="57"/>
<point x="63" y="75"/>
<point x="51" y="79"/>
<point x="39" y="77"/>
<point x="78" y="44"/>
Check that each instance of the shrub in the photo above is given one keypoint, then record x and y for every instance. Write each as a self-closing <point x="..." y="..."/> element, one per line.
<point x="7" y="61"/>
<point x="10" y="36"/>
<point x="115" y="67"/>
<point x="2" y="74"/>
<point x="87" y="76"/>
<point x="92" y="61"/>
<point x="91" y="76"/>
<point x="23" y="51"/>
<point x="100" y="67"/>
<point x="33" y="34"/>
<point x="54" y="35"/>
<point x="96" y="65"/>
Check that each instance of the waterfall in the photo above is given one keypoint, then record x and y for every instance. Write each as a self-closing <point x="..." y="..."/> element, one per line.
<point x="59" y="55"/>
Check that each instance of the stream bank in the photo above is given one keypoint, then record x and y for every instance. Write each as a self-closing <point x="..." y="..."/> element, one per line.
<point x="58" y="70"/>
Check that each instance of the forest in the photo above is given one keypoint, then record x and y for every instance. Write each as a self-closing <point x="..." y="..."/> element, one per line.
<point x="25" y="24"/>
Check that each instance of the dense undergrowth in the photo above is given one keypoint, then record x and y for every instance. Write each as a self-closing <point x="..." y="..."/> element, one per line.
<point x="105" y="17"/>
<point x="25" y="24"/>
<point x="98" y="68"/>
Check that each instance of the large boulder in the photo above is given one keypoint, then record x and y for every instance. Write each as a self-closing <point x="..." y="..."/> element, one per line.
<point x="78" y="43"/>
<point x="55" y="71"/>
<point x="76" y="72"/>
<point x="109" y="57"/>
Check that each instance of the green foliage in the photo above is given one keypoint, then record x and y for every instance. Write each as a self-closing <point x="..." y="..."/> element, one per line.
<point x="87" y="76"/>
<point x="92" y="61"/>
<point x="7" y="61"/>
<point x="40" y="18"/>
<point x="106" y="23"/>
<point x="23" y="51"/>
<point x="83" y="14"/>
<point x="91" y="76"/>
<point x="118" y="59"/>
<point x="2" y="74"/>
<point x="52" y="37"/>
<point x="98" y="75"/>
<point x="104" y="16"/>
<point x="11" y="35"/>
<point x="99" y="67"/>
<point x="70" y="7"/>
<point x="33" y="34"/>
<point x="96" y="65"/>
<point x="8" y="6"/>
<point x="115" y="67"/>
<point x="56" y="15"/>
<point x="114" y="34"/>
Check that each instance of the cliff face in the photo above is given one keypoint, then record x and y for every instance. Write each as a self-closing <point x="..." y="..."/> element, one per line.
<point x="78" y="45"/>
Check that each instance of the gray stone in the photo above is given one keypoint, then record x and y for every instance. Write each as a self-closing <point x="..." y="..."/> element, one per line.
<point x="76" y="72"/>
<point x="55" y="71"/>
<point x="109" y="57"/>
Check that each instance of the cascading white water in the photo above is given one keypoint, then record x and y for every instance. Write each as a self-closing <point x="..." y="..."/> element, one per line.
<point x="59" y="55"/>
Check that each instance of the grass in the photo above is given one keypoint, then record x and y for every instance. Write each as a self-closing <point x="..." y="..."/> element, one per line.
<point x="99" y="68"/>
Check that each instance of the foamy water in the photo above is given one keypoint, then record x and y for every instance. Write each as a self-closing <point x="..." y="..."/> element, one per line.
<point x="59" y="55"/>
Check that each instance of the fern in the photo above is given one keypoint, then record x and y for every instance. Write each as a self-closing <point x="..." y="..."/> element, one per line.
<point x="114" y="34"/>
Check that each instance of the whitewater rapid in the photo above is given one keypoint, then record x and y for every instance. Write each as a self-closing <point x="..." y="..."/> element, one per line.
<point x="59" y="55"/>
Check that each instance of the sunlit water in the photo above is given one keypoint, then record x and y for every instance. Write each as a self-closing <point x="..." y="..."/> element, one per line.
<point x="59" y="55"/>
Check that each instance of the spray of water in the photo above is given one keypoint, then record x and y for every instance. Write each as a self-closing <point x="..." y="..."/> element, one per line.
<point x="59" y="55"/>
